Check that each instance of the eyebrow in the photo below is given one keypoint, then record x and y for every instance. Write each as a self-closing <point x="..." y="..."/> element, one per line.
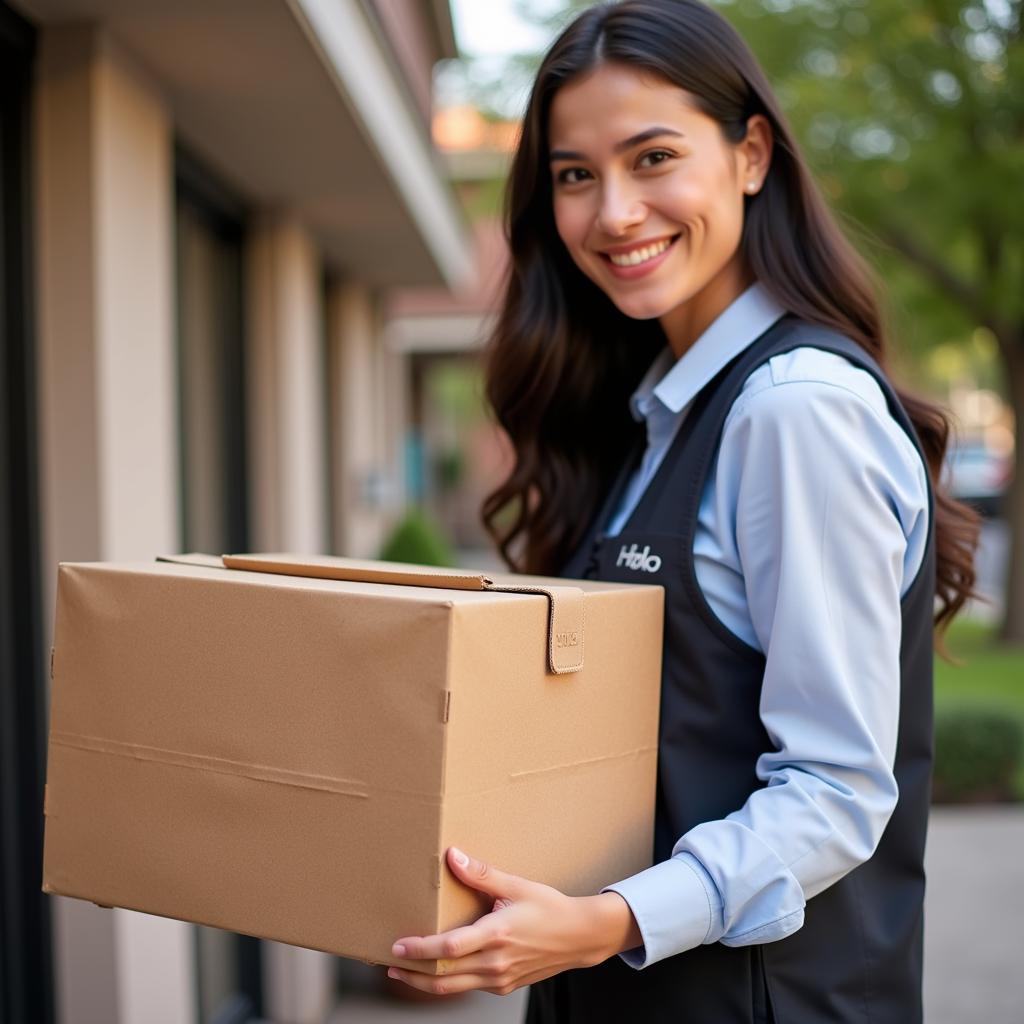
<point x="620" y="147"/>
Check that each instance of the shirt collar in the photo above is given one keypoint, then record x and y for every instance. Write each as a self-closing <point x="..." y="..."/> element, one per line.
<point x="675" y="382"/>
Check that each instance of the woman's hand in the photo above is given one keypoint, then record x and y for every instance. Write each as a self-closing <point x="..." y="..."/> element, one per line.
<point x="532" y="932"/>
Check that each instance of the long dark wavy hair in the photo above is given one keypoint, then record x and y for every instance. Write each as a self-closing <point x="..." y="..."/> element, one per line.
<point x="563" y="360"/>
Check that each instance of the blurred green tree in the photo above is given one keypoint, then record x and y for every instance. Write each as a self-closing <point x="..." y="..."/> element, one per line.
<point x="911" y="113"/>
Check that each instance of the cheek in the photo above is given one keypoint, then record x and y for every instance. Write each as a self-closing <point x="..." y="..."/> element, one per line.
<point x="573" y="223"/>
<point x="703" y="204"/>
<point x="731" y="205"/>
<point x="730" y="219"/>
<point x="570" y="222"/>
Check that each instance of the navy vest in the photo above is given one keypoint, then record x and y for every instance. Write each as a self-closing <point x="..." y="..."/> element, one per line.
<point x="858" y="955"/>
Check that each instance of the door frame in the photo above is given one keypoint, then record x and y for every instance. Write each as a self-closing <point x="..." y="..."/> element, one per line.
<point x="26" y="957"/>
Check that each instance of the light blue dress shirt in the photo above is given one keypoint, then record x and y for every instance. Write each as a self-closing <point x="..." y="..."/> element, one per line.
<point x="811" y="526"/>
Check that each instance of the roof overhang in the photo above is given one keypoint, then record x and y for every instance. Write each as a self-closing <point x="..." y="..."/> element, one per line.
<point x="438" y="335"/>
<point x="298" y="105"/>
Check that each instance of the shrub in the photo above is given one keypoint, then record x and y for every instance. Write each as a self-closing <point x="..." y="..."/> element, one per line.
<point x="978" y="751"/>
<point x="417" y="539"/>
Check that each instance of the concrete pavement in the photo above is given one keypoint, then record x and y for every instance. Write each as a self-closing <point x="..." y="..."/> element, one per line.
<point x="974" y="910"/>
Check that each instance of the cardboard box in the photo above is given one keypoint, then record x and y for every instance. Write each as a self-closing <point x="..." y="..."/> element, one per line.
<point x="285" y="746"/>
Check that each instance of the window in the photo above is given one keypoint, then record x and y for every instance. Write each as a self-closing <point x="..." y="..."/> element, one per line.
<point x="211" y="392"/>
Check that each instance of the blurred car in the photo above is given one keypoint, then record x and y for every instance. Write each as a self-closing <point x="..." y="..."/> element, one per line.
<point x="978" y="476"/>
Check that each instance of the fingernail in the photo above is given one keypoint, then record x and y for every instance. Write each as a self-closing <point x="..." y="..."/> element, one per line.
<point x="398" y="949"/>
<point x="460" y="858"/>
<point x="392" y="973"/>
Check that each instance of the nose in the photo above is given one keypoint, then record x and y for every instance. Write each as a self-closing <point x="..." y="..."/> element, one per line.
<point x="621" y="208"/>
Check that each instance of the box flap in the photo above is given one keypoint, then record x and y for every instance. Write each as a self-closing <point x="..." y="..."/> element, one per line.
<point x="193" y="558"/>
<point x="328" y="567"/>
<point x="566" y="604"/>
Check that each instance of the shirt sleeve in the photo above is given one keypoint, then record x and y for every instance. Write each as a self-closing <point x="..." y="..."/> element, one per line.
<point x="821" y="494"/>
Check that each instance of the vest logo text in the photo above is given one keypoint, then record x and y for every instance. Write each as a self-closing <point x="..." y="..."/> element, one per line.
<point x="642" y="561"/>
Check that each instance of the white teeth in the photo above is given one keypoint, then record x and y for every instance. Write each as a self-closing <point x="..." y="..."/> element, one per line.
<point x="638" y="256"/>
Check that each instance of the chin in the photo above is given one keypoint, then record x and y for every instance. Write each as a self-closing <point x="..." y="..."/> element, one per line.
<point x="641" y="309"/>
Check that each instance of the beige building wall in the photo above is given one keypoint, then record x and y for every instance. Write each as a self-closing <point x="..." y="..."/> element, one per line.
<point x="104" y="178"/>
<point x="367" y="403"/>
<point x="104" y="188"/>
<point x="109" y="440"/>
<point x="109" y="461"/>
<point x="287" y="419"/>
<point x="396" y="404"/>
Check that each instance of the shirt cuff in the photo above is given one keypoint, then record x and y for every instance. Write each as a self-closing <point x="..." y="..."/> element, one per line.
<point x="674" y="903"/>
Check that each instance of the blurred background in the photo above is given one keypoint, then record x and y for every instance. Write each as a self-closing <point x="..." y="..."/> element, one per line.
<point x="249" y="253"/>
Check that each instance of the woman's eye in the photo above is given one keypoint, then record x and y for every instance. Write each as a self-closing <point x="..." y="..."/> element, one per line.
<point x="572" y="176"/>
<point x="655" y="157"/>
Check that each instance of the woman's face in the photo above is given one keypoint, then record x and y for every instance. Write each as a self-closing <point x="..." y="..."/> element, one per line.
<point x="649" y="196"/>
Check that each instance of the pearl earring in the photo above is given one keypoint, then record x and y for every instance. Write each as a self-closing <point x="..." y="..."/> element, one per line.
<point x="751" y="186"/>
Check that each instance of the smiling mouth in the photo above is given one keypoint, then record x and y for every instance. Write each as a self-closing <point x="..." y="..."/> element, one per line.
<point x="640" y="255"/>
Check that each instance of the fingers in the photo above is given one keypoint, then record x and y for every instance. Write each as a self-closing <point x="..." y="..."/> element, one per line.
<point x="482" y="876"/>
<point x="462" y="950"/>
<point x="490" y="963"/>
<point x="447" y="946"/>
<point x="447" y="985"/>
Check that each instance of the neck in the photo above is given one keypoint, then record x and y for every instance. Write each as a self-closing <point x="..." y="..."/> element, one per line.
<point x="690" y="319"/>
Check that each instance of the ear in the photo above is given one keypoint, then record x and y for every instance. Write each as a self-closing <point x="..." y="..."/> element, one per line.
<point x="754" y="155"/>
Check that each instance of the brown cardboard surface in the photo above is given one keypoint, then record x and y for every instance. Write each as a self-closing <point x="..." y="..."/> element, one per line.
<point x="289" y="756"/>
<point x="566" y="618"/>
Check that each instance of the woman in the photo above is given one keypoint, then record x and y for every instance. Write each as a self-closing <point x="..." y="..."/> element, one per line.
<point x="689" y="358"/>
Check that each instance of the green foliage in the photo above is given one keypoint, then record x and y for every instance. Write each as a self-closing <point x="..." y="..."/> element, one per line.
<point x="455" y="385"/>
<point x="986" y="670"/>
<point x="450" y="467"/>
<point x="482" y="200"/>
<point x="912" y="115"/>
<point x="986" y="685"/>
<point x="417" y="540"/>
<point x="978" y="753"/>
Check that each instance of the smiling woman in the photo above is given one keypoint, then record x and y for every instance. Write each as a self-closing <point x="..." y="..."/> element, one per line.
<point x="671" y="189"/>
<point x="690" y="365"/>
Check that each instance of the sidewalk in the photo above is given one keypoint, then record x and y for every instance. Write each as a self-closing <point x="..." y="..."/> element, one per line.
<point x="973" y="914"/>
<point x="973" y="967"/>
